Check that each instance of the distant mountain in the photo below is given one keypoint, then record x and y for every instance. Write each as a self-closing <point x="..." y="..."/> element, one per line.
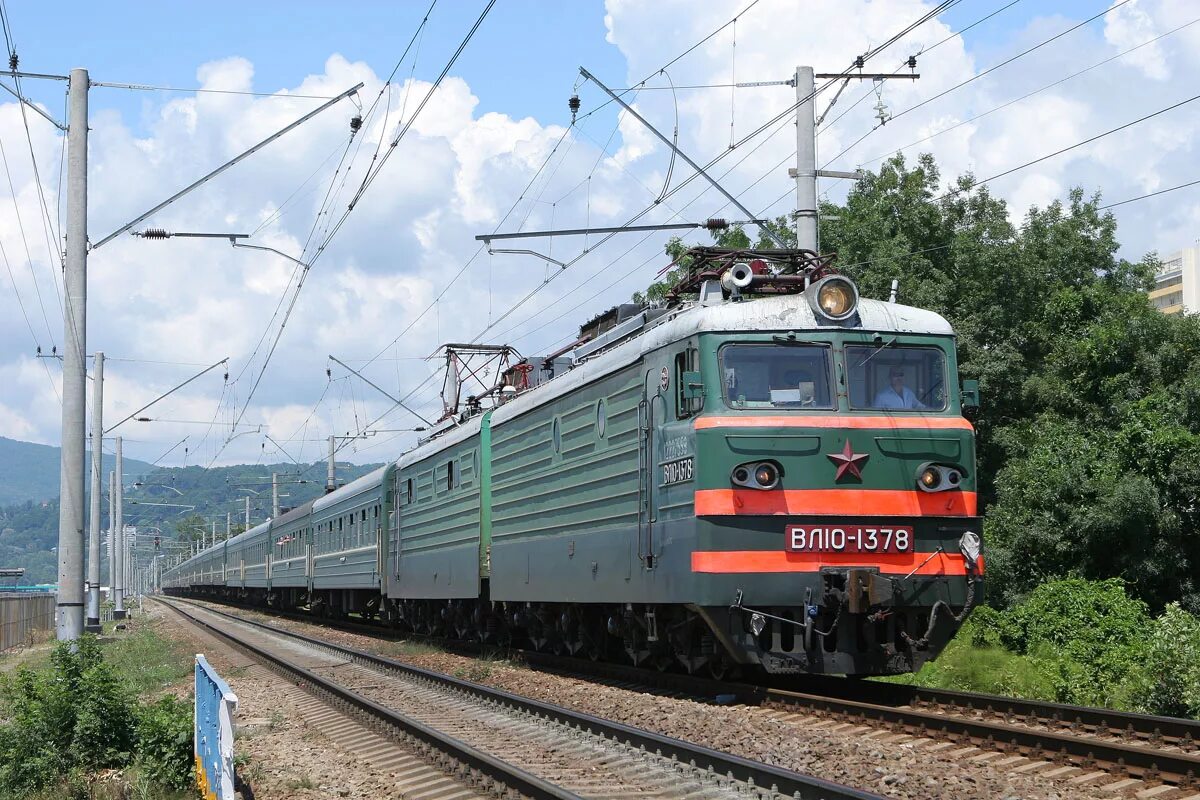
<point x="179" y="501"/>
<point x="30" y="471"/>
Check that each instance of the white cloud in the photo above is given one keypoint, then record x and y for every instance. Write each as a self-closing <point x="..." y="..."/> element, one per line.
<point x="1131" y="24"/>
<point x="459" y="171"/>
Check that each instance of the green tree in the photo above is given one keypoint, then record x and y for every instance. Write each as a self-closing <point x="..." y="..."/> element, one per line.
<point x="1089" y="434"/>
<point x="734" y="236"/>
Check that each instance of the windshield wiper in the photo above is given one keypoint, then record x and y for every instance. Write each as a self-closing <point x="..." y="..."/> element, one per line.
<point x="879" y="348"/>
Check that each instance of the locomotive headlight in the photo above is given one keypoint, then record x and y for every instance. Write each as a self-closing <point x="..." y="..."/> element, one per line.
<point x="836" y="297"/>
<point x="938" y="477"/>
<point x="930" y="478"/>
<point x="766" y="476"/>
<point x="759" y="475"/>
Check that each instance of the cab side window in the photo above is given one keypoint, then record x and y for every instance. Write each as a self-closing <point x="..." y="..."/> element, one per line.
<point x="687" y="362"/>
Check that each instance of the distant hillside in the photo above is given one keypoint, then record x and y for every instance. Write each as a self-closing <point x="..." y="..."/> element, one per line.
<point x="30" y="471"/>
<point x="178" y="500"/>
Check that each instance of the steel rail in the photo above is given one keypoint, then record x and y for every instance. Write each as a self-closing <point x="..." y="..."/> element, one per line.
<point x="482" y="764"/>
<point x="884" y="703"/>
<point x="764" y="776"/>
<point x="1104" y="721"/>
<point x="1079" y="749"/>
<point x="869" y="701"/>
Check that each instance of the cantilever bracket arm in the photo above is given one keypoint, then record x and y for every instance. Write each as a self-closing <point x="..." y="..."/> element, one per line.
<point x="374" y="386"/>
<point x="32" y="105"/>
<point x="629" y="109"/>
<point x="167" y="393"/>
<point x="228" y="164"/>
<point x="235" y="243"/>
<point x="536" y="254"/>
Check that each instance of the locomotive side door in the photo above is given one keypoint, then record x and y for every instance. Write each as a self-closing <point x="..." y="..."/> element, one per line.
<point x="651" y="415"/>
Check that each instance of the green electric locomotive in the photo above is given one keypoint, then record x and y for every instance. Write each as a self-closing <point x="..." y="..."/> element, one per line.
<point x="768" y="474"/>
<point x="771" y="473"/>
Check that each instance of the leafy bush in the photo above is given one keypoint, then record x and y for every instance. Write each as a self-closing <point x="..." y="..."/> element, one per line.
<point x="77" y="717"/>
<point x="164" y="750"/>
<point x="1170" y="682"/>
<point x="74" y="714"/>
<point x="1090" y="634"/>
<point x="1077" y="641"/>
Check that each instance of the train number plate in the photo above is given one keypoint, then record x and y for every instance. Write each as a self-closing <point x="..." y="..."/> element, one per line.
<point x="849" y="538"/>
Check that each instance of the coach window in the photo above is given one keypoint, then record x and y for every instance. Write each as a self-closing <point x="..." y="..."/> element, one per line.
<point x="449" y="475"/>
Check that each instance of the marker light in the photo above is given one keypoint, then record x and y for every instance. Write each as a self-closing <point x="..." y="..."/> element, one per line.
<point x="938" y="478"/>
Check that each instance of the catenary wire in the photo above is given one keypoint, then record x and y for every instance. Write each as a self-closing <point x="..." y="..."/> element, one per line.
<point x="25" y="241"/>
<point x="764" y="126"/>
<point x="304" y="271"/>
<point x="979" y="75"/>
<point x="1151" y="194"/>
<point x="1026" y="96"/>
<point x="938" y="9"/>
<point x="1078" y="144"/>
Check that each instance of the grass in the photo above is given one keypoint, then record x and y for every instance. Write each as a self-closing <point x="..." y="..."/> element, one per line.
<point x="990" y="670"/>
<point x="407" y="648"/>
<point x="148" y="661"/>
<point x="304" y="782"/>
<point x="35" y="658"/>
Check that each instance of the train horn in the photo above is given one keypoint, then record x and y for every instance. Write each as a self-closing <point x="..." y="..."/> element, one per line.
<point x="739" y="276"/>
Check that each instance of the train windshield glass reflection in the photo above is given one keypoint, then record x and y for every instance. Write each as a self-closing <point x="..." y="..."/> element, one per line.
<point x="895" y="378"/>
<point x="776" y="375"/>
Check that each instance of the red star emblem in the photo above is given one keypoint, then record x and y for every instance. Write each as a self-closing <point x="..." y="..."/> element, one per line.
<point x="847" y="461"/>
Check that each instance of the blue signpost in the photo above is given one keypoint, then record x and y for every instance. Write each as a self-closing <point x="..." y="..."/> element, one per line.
<point x="215" y="707"/>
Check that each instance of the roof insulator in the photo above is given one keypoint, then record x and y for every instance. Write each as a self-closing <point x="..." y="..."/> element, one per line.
<point x="573" y="104"/>
<point x="355" y="123"/>
<point x="717" y="224"/>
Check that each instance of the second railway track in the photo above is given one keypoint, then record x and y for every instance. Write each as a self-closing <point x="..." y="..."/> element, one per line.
<point x="1137" y="749"/>
<point x="528" y="747"/>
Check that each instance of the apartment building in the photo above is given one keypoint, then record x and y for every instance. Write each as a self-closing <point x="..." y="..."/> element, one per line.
<point x="1177" y="282"/>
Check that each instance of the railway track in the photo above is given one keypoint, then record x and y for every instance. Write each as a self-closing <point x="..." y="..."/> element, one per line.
<point x="1052" y="738"/>
<point x="504" y="742"/>
<point x="1133" y="747"/>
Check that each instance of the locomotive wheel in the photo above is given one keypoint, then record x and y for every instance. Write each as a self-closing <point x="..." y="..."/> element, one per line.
<point x="718" y="667"/>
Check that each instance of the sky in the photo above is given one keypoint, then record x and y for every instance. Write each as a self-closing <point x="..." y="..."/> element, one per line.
<point x="494" y="149"/>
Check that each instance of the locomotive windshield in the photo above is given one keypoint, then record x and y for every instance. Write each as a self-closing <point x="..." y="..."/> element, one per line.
<point x="776" y="375"/>
<point x="895" y="378"/>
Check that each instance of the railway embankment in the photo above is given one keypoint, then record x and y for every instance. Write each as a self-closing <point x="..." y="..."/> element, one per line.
<point x="882" y="757"/>
<point x="108" y="718"/>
